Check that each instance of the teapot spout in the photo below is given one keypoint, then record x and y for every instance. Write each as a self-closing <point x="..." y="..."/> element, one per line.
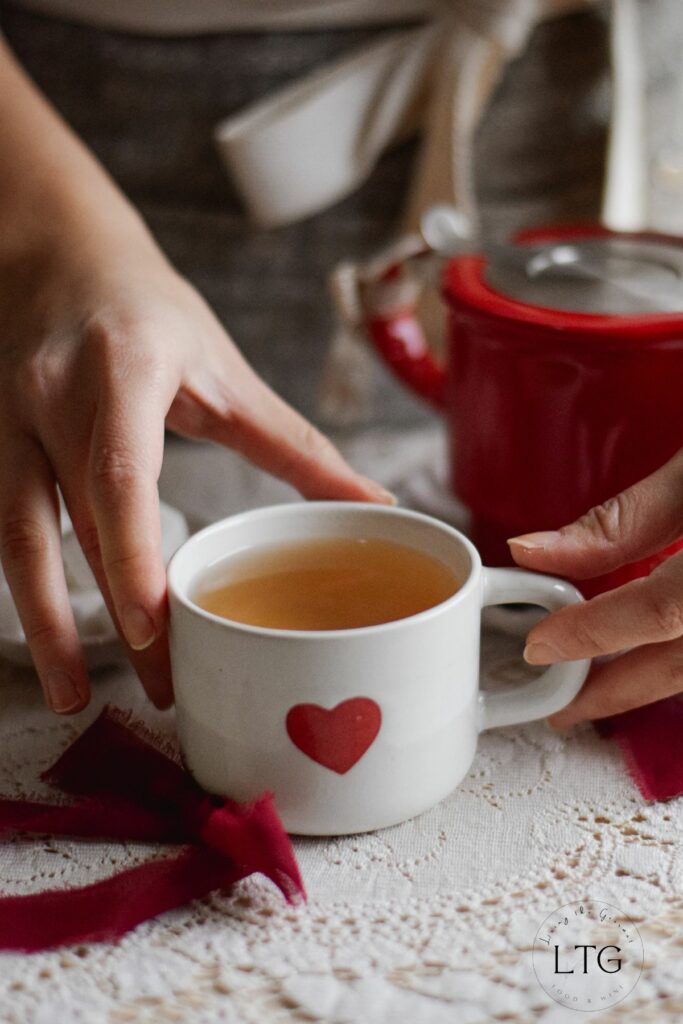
<point x="401" y="343"/>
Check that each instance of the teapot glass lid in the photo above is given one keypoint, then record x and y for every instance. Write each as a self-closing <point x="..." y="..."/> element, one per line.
<point x="618" y="275"/>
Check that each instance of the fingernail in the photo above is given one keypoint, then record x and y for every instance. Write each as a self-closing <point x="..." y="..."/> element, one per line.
<point x="62" y="693"/>
<point x="538" y="653"/>
<point x="138" y="627"/>
<point x="536" y="541"/>
<point x="381" y="493"/>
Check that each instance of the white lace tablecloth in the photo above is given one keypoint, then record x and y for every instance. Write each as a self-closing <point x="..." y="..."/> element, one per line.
<point x="430" y="922"/>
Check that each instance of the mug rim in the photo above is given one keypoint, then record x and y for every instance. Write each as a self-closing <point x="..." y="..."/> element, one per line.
<point x="179" y="593"/>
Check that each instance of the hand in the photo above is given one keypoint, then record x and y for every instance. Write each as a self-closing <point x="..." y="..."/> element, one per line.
<point x="644" y="617"/>
<point x="102" y="344"/>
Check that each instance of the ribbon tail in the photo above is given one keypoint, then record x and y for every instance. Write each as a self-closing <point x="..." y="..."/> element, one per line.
<point x="110" y="760"/>
<point x="87" y="819"/>
<point x="253" y="835"/>
<point x="348" y="378"/>
<point x="649" y="738"/>
<point x="135" y="791"/>
<point x="106" y="910"/>
<point x="117" y="780"/>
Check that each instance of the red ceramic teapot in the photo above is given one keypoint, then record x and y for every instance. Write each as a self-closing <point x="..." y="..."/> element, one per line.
<point x="563" y="382"/>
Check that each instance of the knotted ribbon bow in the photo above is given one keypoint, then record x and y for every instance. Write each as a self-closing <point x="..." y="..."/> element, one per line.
<point x="126" y="789"/>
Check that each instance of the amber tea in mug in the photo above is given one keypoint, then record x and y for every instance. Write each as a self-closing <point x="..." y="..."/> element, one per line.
<point x="326" y="584"/>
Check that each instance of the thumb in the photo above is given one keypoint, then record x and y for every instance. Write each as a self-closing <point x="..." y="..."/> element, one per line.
<point x="636" y="523"/>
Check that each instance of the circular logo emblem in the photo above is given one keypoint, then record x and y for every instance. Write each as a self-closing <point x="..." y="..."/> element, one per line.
<point x="588" y="955"/>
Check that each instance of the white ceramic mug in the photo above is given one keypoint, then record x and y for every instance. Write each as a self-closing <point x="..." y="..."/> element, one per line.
<point x="352" y="729"/>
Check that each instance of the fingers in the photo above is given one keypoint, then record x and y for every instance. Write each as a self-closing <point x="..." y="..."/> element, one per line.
<point x="640" y="677"/>
<point x="153" y="664"/>
<point x="107" y="455"/>
<point x="635" y="524"/>
<point x="30" y="546"/>
<point x="125" y="546"/>
<point x="638" y="522"/>
<point x="256" y="422"/>
<point x="645" y="611"/>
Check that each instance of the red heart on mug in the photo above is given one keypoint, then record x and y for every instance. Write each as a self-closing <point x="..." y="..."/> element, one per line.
<point x="335" y="737"/>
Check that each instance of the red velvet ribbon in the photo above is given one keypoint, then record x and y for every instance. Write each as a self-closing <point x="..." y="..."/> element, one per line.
<point x="126" y="789"/>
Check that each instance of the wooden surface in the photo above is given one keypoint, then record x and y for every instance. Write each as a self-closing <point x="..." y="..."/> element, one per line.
<point x="148" y="106"/>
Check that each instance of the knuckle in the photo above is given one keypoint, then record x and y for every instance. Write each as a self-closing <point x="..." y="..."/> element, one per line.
<point x="587" y="638"/>
<point x="22" y="539"/>
<point x="121" y="350"/>
<point x="113" y="468"/>
<point x="608" y="521"/>
<point x="101" y="339"/>
<point x="216" y="403"/>
<point x="126" y="560"/>
<point x="614" y="520"/>
<point x="44" y="634"/>
<point x="208" y="393"/>
<point x="150" y="368"/>
<point x="187" y="416"/>
<point x="666" y="611"/>
<point x="35" y="376"/>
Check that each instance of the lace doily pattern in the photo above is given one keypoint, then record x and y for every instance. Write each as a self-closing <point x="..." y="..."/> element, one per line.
<point x="419" y="922"/>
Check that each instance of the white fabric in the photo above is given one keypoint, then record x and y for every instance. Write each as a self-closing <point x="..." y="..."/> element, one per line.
<point x="431" y="922"/>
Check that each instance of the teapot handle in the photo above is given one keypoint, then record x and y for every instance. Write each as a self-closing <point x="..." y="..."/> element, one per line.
<point x="401" y="343"/>
<point x="378" y="301"/>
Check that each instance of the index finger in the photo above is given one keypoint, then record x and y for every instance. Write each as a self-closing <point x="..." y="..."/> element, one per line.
<point x="638" y="522"/>
<point x="645" y="611"/>
<point x="255" y="421"/>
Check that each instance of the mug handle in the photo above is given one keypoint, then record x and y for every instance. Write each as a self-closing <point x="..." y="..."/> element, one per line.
<point x="559" y="684"/>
